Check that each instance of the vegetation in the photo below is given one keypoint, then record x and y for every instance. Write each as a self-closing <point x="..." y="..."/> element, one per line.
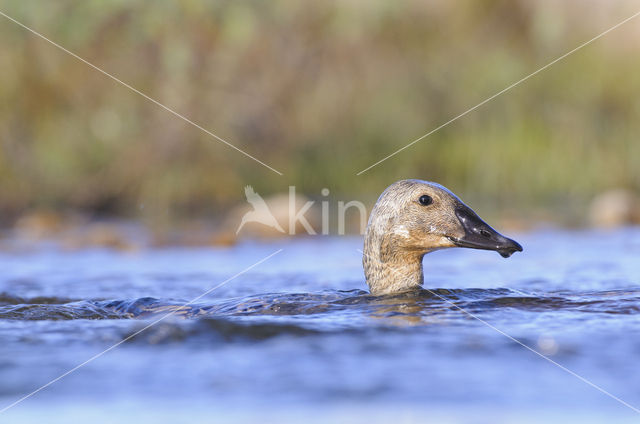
<point x="319" y="91"/>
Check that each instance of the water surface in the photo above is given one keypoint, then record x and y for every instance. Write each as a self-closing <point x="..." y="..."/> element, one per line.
<point x="299" y="336"/>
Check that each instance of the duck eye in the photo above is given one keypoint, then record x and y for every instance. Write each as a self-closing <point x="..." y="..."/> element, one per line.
<point x="425" y="200"/>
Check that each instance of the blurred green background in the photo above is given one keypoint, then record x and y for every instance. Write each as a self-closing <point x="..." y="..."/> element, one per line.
<point x="320" y="91"/>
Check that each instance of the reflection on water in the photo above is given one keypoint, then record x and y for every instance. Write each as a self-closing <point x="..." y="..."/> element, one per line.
<point x="300" y="331"/>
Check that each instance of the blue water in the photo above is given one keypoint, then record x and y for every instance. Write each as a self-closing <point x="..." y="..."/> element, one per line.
<point x="298" y="338"/>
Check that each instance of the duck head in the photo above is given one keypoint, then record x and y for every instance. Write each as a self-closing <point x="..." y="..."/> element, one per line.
<point x="412" y="218"/>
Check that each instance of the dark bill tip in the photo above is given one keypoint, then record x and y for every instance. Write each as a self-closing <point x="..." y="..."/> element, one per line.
<point x="505" y="252"/>
<point x="480" y="235"/>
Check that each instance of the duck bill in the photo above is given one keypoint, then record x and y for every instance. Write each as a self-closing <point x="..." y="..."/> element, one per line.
<point x="479" y="235"/>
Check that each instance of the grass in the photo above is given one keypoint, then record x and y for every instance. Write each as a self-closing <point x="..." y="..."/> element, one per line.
<point x="320" y="92"/>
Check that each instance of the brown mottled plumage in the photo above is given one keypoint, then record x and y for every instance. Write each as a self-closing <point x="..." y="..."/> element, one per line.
<point x="412" y="218"/>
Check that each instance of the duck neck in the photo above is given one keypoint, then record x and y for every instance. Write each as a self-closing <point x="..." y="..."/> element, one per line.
<point x="389" y="269"/>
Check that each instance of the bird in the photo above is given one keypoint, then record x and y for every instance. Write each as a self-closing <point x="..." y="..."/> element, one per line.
<point x="412" y="218"/>
<point x="260" y="212"/>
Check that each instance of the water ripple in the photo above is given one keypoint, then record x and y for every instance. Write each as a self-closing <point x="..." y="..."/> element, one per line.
<point x="418" y="303"/>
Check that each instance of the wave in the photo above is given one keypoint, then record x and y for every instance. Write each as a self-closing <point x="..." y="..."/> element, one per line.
<point x="419" y="303"/>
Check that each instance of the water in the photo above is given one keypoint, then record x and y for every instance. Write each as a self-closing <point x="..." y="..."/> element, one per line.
<point x="299" y="338"/>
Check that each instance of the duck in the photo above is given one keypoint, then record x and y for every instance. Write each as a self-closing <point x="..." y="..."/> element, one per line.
<point x="412" y="218"/>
